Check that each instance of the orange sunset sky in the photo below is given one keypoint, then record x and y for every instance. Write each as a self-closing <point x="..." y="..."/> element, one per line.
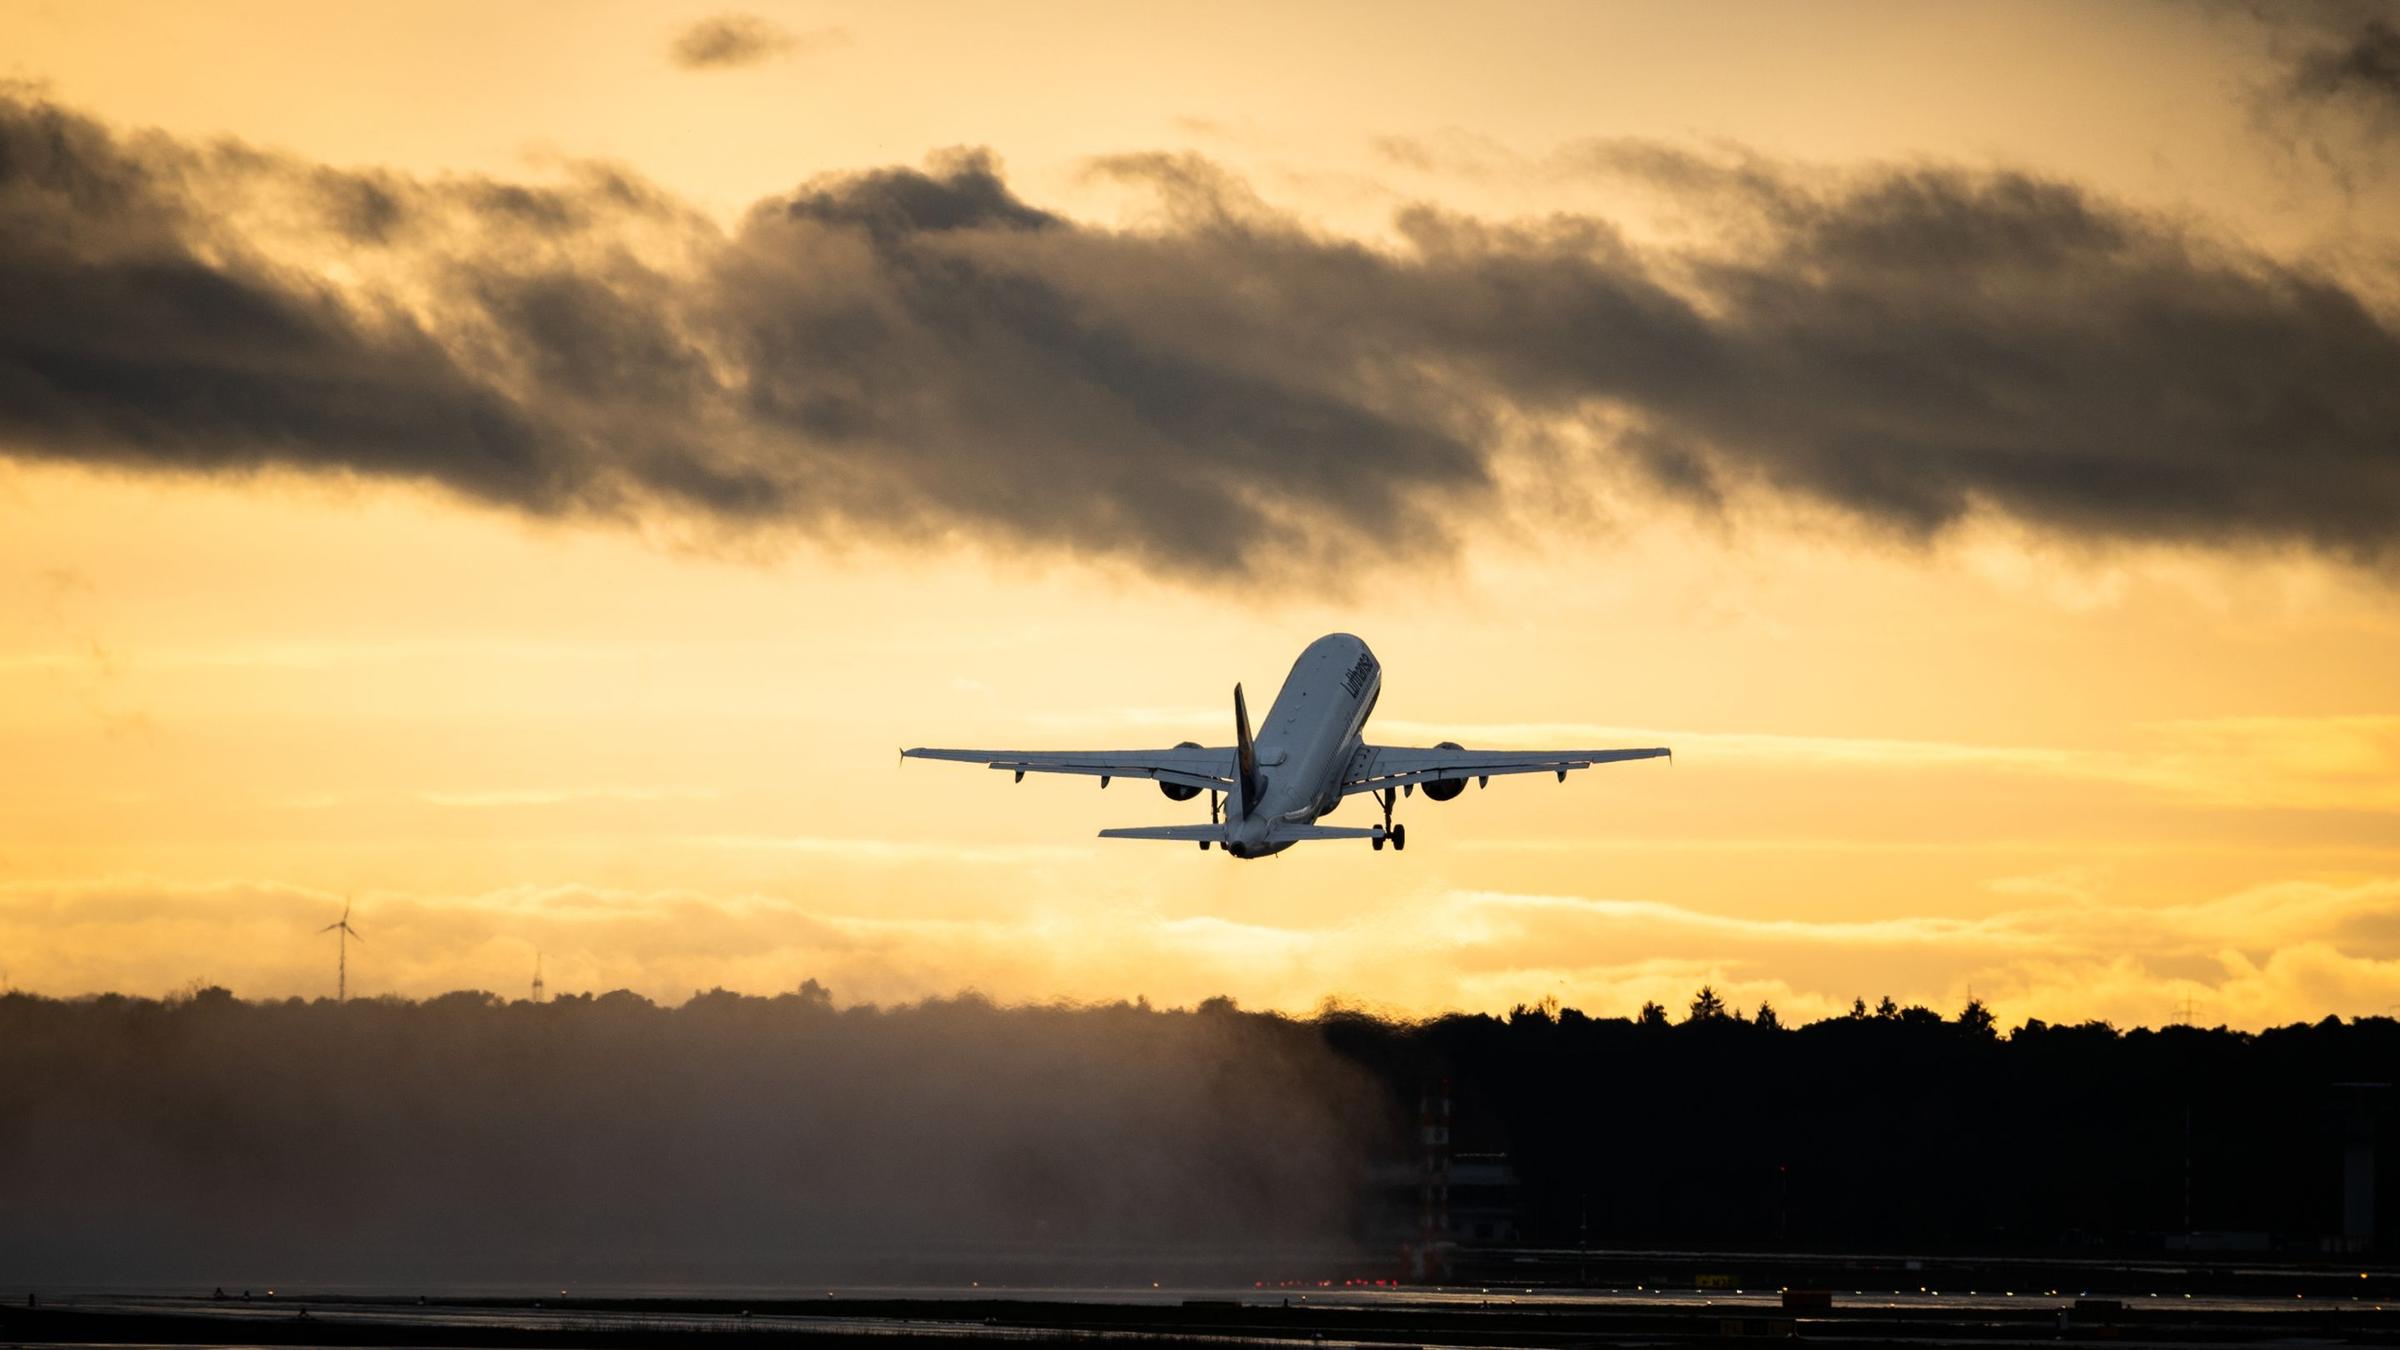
<point x="528" y="467"/>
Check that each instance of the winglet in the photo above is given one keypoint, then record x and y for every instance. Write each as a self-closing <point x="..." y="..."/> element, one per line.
<point x="1245" y="752"/>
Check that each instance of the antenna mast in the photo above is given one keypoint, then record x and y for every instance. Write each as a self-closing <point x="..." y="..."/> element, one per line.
<point x="538" y="986"/>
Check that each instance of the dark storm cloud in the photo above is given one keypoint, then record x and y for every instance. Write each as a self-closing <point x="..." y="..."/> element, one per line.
<point x="1920" y="344"/>
<point x="138" y="329"/>
<point x="2355" y="56"/>
<point x="2332" y="88"/>
<point x="726" y="40"/>
<point x="912" y="352"/>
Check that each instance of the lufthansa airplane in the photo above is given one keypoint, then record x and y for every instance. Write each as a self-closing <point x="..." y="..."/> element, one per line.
<point x="1299" y="766"/>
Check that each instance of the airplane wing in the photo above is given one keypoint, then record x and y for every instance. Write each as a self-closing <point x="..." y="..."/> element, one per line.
<point x="1190" y="766"/>
<point x="1378" y="768"/>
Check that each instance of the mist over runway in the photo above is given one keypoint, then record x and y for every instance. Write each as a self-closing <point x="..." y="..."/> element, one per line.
<point x="607" y="1139"/>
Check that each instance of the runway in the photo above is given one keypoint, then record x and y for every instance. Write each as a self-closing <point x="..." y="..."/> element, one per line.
<point x="1329" y="1315"/>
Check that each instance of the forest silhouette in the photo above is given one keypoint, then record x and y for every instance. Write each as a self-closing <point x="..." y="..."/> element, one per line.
<point x="738" y="1138"/>
<point x="1895" y="1126"/>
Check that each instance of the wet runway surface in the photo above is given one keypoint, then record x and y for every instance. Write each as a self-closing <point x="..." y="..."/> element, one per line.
<point x="1322" y="1315"/>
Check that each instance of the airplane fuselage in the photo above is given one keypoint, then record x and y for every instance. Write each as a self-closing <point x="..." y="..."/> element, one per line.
<point x="1307" y="741"/>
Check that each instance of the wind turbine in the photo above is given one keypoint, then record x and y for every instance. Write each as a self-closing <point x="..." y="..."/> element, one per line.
<point x="341" y="968"/>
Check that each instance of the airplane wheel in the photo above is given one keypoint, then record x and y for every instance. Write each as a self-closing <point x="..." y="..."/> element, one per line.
<point x="1377" y="841"/>
<point x="1204" y="846"/>
<point x="1399" y="837"/>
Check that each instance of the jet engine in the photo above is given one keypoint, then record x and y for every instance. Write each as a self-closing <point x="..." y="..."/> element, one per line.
<point x="1180" y="792"/>
<point x="1443" y="789"/>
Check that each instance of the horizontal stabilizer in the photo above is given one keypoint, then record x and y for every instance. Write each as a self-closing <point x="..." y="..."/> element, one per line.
<point x="1184" y="833"/>
<point x="1299" y="834"/>
<point x="1283" y="834"/>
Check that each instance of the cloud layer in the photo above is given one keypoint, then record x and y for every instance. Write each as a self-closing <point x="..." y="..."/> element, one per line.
<point x="729" y="40"/>
<point x="2351" y="57"/>
<point x="915" y="352"/>
<point x="2055" y="946"/>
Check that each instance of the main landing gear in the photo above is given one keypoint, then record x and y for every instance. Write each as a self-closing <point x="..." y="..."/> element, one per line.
<point x="1398" y="834"/>
<point x="1212" y="818"/>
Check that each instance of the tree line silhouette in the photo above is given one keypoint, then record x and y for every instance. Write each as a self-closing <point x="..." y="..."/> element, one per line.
<point x="1895" y="1125"/>
<point x="780" y="1134"/>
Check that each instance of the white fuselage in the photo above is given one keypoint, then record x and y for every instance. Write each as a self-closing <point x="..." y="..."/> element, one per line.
<point x="1307" y="741"/>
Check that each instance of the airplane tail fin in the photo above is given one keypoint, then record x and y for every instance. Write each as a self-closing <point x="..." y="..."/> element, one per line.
<point x="1245" y="752"/>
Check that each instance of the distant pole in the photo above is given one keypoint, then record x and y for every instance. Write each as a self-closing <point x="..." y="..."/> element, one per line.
<point x="1430" y="1260"/>
<point x="537" y="977"/>
<point x="2361" y="1103"/>
<point x="1583" y="1237"/>
<point x="2187" y="1167"/>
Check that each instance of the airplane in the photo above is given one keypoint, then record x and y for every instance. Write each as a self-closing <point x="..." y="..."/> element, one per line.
<point x="1305" y="758"/>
